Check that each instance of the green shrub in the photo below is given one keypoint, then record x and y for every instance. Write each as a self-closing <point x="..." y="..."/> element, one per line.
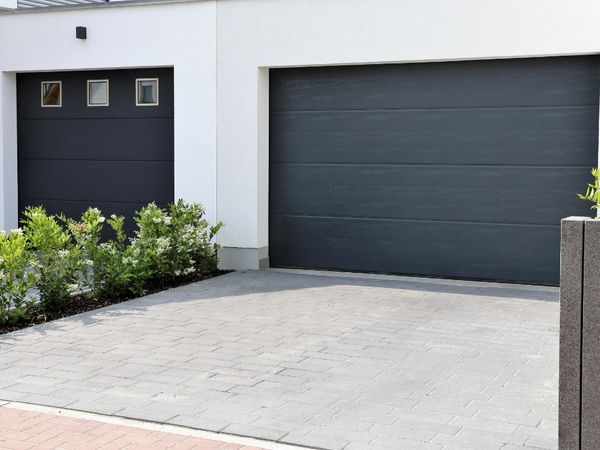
<point x="178" y="241"/>
<point x="119" y="269"/>
<point x="65" y="255"/>
<point x="58" y="260"/>
<point x="192" y="236"/>
<point x="152" y="239"/>
<point x="16" y="277"/>
<point x="592" y="192"/>
<point x="86" y="234"/>
<point x="168" y="244"/>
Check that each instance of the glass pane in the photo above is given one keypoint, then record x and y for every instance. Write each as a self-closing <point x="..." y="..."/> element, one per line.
<point x="98" y="94"/>
<point x="147" y="92"/>
<point x="50" y="93"/>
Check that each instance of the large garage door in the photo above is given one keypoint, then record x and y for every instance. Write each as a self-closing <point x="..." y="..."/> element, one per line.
<point x="116" y="157"/>
<point x="443" y="169"/>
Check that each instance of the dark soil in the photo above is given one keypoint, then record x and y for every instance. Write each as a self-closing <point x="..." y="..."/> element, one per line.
<point x="87" y="302"/>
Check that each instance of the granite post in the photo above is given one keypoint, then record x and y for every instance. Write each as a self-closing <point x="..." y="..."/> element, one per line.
<point x="571" y="300"/>
<point x="590" y="352"/>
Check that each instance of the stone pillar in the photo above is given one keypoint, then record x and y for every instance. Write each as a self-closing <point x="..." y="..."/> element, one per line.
<point x="571" y="299"/>
<point x="590" y="352"/>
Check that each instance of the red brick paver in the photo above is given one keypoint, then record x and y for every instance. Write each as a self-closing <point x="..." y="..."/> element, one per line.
<point x="20" y="429"/>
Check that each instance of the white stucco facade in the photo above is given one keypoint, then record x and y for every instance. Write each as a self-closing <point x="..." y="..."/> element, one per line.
<point x="179" y="35"/>
<point x="221" y="52"/>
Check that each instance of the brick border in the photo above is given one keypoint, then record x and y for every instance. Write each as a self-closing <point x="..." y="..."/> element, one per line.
<point x="28" y="426"/>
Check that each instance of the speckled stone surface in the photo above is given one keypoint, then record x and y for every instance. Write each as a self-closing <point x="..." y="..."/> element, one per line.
<point x="590" y="372"/>
<point x="571" y="295"/>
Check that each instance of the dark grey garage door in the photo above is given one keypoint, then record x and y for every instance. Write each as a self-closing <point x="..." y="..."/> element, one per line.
<point x="116" y="157"/>
<point x="443" y="169"/>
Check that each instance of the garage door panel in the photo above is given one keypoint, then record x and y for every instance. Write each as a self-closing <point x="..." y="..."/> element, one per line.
<point x="113" y="139"/>
<point x="518" y="82"/>
<point x="92" y="181"/>
<point x="560" y="136"/>
<point x="459" y="169"/>
<point x="530" y="195"/>
<point x="444" y="249"/>
<point x="122" y="93"/>
<point x="118" y="157"/>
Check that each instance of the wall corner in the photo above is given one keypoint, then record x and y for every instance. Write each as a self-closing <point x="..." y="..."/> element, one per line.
<point x="8" y="151"/>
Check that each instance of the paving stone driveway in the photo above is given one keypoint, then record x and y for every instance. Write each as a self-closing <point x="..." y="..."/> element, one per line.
<point x="325" y="361"/>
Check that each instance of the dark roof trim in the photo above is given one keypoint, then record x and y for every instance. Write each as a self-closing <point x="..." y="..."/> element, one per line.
<point x="91" y="4"/>
<point x="52" y="3"/>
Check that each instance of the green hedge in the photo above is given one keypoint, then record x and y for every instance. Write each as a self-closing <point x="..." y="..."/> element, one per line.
<point x="57" y="256"/>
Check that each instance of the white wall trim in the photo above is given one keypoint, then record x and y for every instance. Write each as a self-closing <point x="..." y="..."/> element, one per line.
<point x="8" y="151"/>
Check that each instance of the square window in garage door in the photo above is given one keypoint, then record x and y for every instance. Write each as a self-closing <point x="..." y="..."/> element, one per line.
<point x="146" y="91"/>
<point x="97" y="93"/>
<point x="51" y="94"/>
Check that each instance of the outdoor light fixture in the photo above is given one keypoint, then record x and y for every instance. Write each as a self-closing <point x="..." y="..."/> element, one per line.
<point x="81" y="32"/>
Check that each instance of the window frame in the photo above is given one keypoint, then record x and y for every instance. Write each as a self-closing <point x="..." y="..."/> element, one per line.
<point x="93" y="105"/>
<point x="137" y="92"/>
<point x="60" y="93"/>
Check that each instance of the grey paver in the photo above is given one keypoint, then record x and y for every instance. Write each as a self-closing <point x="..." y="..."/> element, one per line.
<point x="200" y="423"/>
<point x="325" y="361"/>
<point x="315" y="440"/>
<point x="257" y="430"/>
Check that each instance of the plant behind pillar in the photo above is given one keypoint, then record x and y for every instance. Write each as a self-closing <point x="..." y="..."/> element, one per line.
<point x="592" y="192"/>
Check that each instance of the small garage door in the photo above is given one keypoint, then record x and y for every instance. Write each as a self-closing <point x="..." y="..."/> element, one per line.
<point x="443" y="169"/>
<point x="117" y="157"/>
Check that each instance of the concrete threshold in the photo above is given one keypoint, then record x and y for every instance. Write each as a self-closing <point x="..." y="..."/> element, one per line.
<point x="416" y="279"/>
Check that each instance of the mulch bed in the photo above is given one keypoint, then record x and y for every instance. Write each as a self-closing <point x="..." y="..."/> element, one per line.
<point x="83" y="303"/>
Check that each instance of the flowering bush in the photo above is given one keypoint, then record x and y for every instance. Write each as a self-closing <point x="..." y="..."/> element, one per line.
<point x="192" y="238"/>
<point x="86" y="235"/>
<point x="58" y="259"/>
<point x="60" y="256"/>
<point x="16" y="277"/>
<point x="168" y="244"/>
<point x="178" y="240"/>
<point x="119" y="269"/>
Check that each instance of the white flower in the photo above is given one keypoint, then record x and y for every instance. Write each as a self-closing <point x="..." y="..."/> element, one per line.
<point x="63" y="253"/>
<point x="130" y="261"/>
<point x="162" y="244"/>
<point x="17" y="231"/>
<point x="101" y="219"/>
<point x="167" y="220"/>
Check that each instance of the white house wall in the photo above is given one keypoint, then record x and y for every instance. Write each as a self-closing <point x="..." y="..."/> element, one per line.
<point x="181" y="35"/>
<point x="221" y="51"/>
<point x="254" y="34"/>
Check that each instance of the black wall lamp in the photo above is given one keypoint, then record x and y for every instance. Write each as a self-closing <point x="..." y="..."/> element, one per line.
<point x="81" y="32"/>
